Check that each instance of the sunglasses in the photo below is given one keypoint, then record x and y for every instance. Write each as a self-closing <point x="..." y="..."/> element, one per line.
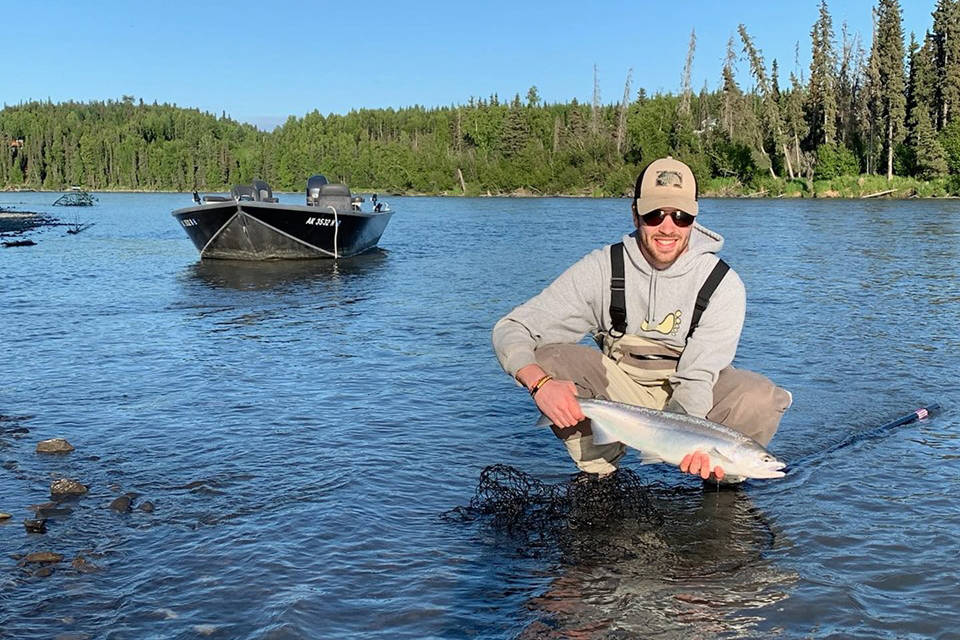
<point x="680" y="218"/>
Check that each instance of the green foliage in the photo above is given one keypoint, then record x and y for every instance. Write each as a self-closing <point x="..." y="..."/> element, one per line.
<point x="950" y="141"/>
<point x="732" y="159"/>
<point x="834" y="161"/>
<point x="848" y="116"/>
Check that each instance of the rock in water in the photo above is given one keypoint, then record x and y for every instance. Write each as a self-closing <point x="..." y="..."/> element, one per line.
<point x="35" y="526"/>
<point x="54" y="445"/>
<point x="121" y="504"/>
<point x="65" y="487"/>
<point x="41" y="557"/>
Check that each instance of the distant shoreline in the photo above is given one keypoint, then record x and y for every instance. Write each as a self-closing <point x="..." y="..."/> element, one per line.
<point x="846" y="188"/>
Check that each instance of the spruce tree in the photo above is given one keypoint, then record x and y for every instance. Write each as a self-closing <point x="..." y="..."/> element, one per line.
<point x="730" y="102"/>
<point x="850" y="81"/>
<point x="822" y="92"/>
<point x="887" y="99"/>
<point x="772" y="121"/>
<point x="927" y="154"/>
<point x="795" y="123"/>
<point x="946" y="38"/>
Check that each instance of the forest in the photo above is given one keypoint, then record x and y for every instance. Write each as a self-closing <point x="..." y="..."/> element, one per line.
<point x="882" y="116"/>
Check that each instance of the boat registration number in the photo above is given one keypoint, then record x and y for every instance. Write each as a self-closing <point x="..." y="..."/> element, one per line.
<point x="322" y="222"/>
<point x="188" y="222"/>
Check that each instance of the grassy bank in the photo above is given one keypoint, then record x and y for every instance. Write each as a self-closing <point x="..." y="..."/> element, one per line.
<point x="842" y="187"/>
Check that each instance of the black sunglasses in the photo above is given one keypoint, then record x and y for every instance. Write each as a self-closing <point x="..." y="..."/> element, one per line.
<point x="680" y="218"/>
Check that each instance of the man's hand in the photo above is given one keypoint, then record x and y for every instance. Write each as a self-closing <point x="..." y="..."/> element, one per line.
<point x="698" y="464"/>
<point x="557" y="399"/>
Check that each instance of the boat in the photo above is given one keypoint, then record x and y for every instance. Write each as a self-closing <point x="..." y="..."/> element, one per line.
<point x="251" y="224"/>
<point x="76" y="198"/>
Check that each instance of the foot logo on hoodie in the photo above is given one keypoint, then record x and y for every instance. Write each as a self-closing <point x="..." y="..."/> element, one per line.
<point x="668" y="326"/>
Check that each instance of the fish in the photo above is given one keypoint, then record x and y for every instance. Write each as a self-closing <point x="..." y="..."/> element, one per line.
<point x="664" y="436"/>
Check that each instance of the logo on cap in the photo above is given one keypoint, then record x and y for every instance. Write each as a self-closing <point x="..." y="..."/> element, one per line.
<point x="670" y="179"/>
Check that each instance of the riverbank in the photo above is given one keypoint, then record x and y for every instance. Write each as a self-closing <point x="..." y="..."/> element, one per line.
<point x="841" y="187"/>
<point x="864" y="186"/>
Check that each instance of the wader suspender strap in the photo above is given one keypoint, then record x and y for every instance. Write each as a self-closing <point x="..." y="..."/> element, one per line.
<point x="618" y="301"/>
<point x="703" y="296"/>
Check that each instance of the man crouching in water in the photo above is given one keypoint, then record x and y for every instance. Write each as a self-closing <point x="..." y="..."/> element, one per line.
<point x="667" y="314"/>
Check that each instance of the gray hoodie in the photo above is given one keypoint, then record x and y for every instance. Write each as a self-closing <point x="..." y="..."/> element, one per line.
<point x="660" y="304"/>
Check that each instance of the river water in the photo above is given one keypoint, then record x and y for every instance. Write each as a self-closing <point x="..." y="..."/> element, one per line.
<point x="301" y="429"/>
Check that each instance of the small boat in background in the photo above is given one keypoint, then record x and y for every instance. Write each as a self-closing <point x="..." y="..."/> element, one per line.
<point x="251" y="224"/>
<point x="76" y="198"/>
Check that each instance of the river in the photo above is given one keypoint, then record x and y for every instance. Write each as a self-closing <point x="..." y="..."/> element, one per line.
<point x="303" y="431"/>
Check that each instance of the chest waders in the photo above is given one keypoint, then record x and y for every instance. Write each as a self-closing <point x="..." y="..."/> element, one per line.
<point x="650" y="363"/>
<point x="637" y="370"/>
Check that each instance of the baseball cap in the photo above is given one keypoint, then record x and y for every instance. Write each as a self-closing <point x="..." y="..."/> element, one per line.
<point x="666" y="183"/>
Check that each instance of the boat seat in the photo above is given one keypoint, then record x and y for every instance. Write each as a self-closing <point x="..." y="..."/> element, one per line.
<point x="217" y="198"/>
<point x="334" y="190"/>
<point x="322" y="193"/>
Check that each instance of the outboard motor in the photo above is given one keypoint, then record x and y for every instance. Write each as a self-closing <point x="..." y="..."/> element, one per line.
<point x="262" y="192"/>
<point x="242" y="192"/>
<point x="314" y="185"/>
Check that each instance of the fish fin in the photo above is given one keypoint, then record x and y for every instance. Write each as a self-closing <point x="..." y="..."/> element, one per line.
<point x="601" y="434"/>
<point x="650" y="459"/>
<point x="544" y="421"/>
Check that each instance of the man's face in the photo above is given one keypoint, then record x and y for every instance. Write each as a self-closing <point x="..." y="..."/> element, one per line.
<point x="661" y="244"/>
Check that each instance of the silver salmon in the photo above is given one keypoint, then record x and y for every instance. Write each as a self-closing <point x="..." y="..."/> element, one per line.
<point x="663" y="436"/>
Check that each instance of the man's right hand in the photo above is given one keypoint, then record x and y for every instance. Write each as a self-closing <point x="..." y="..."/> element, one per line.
<point x="557" y="399"/>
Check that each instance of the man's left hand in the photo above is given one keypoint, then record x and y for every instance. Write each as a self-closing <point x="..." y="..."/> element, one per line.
<point x="698" y="464"/>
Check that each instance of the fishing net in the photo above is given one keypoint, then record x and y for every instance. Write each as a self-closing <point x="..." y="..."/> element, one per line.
<point x="580" y="518"/>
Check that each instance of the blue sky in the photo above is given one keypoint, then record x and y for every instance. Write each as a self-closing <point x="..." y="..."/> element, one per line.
<point x="264" y="61"/>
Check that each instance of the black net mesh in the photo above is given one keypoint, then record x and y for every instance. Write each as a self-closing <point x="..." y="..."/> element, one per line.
<point x="584" y="517"/>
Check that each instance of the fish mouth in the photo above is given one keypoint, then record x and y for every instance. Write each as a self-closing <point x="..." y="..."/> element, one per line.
<point x="773" y="470"/>
<point x="767" y="469"/>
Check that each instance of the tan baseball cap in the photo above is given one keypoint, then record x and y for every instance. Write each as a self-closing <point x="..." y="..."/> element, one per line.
<point x="666" y="183"/>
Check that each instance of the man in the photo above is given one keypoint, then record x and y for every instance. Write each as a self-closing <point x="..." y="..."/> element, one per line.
<point x="659" y="348"/>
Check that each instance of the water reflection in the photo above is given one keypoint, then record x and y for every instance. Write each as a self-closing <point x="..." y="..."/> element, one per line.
<point x="700" y="574"/>
<point x="274" y="274"/>
<point x="698" y="569"/>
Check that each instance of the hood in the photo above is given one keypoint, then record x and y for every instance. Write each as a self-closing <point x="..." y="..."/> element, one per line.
<point x="702" y="241"/>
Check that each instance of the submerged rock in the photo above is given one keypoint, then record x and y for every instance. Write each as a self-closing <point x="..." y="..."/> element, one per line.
<point x="35" y="526"/>
<point x="50" y="509"/>
<point x="121" y="504"/>
<point x="146" y="507"/>
<point x="4" y="516"/>
<point x="41" y="557"/>
<point x="54" y="445"/>
<point x="82" y="565"/>
<point x="66" y="487"/>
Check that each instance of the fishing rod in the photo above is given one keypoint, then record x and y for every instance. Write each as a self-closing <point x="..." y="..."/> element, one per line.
<point x="917" y="414"/>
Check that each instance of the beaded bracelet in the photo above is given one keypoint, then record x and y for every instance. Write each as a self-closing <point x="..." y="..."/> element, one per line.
<point x="542" y="381"/>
